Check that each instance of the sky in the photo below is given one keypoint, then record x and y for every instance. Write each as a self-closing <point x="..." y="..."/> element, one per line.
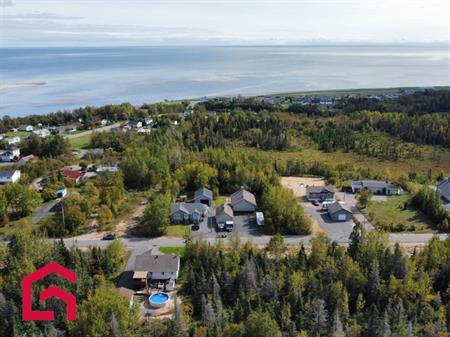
<point x="41" y="23"/>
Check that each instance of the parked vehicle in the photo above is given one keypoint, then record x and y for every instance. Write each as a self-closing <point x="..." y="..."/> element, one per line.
<point x="195" y="227"/>
<point x="109" y="237"/>
<point x="315" y="203"/>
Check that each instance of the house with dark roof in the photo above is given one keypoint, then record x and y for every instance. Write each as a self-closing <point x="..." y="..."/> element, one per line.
<point x="203" y="196"/>
<point x="243" y="201"/>
<point x="9" y="155"/>
<point x="9" y="176"/>
<point x="377" y="187"/>
<point x="28" y="128"/>
<point x="187" y="213"/>
<point x="320" y="193"/>
<point x="443" y="188"/>
<point x="339" y="212"/>
<point x="153" y="266"/>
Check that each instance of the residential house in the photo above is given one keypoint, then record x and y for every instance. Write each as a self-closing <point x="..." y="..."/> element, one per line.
<point x="153" y="266"/>
<point x="10" y="155"/>
<point x="105" y="169"/>
<point x="27" y="159"/>
<point x="377" y="187"/>
<point x="43" y="133"/>
<point x="339" y="212"/>
<point x="243" y="201"/>
<point x="182" y="212"/>
<point x="148" y="121"/>
<point x="443" y="187"/>
<point x="12" y="140"/>
<point x="75" y="176"/>
<point x="10" y="176"/>
<point x="28" y="128"/>
<point x="203" y="196"/>
<point x="224" y="216"/>
<point x="67" y="128"/>
<point x="103" y="122"/>
<point x="320" y="193"/>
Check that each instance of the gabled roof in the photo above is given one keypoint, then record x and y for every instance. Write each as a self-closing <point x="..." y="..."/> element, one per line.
<point x="203" y="192"/>
<point x="71" y="174"/>
<point x="224" y="209"/>
<point x="188" y="208"/>
<point x="7" y="173"/>
<point x="321" y="189"/>
<point x="444" y="188"/>
<point x="157" y="262"/>
<point x="242" y="194"/>
<point x="336" y="207"/>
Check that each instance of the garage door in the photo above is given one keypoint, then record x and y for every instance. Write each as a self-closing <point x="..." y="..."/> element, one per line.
<point x="342" y="217"/>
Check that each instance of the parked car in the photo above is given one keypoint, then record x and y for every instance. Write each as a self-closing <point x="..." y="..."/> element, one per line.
<point x="195" y="227"/>
<point x="315" y="203"/>
<point x="109" y="236"/>
<point x="222" y="235"/>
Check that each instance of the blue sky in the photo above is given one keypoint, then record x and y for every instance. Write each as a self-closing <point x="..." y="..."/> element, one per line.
<point x="220" y="22"/>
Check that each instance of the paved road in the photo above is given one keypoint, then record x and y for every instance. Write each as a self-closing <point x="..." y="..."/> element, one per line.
<point x="88" y="132"/>
<point x="44" y="211"/>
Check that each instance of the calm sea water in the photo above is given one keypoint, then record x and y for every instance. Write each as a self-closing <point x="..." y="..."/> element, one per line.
<point x="95" y="76"/>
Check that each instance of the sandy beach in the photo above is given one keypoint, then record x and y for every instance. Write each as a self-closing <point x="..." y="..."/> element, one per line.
<point x="5" y="86"/>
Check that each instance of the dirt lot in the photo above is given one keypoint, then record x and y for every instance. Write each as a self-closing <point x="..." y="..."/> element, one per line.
<point x="298" y="186"/>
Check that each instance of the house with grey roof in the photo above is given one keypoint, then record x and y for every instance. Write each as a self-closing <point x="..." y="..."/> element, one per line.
<point x="243" y="201"/>
<point x="153" y="266"/>
<point x="339" y="212"/>
<point x="320" y="193"/>
<point x="203" y="196"/>
<point x="224" y="214"/>
<point x="443" y="187"/>
<point x="187" y="213"/>
<point x="377" y="187"/>
<point x="9" y="176"/>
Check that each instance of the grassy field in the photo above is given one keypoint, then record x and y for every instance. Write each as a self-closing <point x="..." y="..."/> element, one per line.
<point x="172" y="250"/>
<point x="391" y="215"/>
<point x="178" y="230"/>
<point x="17" y="134"/>
<point x="82" y="142"/>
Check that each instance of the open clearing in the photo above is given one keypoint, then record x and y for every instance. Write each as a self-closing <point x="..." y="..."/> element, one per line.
<point x="298" y="186"/>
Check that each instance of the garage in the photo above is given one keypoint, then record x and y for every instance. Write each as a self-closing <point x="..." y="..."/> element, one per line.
<point x="339" y="212"/>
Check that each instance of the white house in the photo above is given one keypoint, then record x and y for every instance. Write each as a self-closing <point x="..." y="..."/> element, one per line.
<point x="28" y="128"/>
<point x="12" y="140"/>
<point x="9" y="176"/>
<point x="9" y="155"/>
<point x="43" y="133"/>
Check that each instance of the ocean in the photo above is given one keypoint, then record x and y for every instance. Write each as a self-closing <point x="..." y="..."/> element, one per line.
<point x="53" y="79"/>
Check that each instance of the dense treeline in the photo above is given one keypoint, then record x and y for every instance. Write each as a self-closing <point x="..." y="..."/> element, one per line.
<point x="367" y="289"/>
<point x="430" y="203"/>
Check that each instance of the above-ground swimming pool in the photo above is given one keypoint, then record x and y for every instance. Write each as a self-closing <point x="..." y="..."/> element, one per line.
<point x="158" y="300"/>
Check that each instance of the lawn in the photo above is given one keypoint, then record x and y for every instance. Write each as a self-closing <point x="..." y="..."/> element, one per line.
<point x="172" y="250"/>
<point x="17" y="134"/>
<point x="391" y="215"/>
<point x="82" y="142"/>
<point x="178" y="230"/>
<point x="220" y="200"/>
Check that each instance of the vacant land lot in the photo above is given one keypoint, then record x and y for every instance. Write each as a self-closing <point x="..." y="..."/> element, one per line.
<point x="80" y="142"/>
<point x="298" y="184"/>
<point x="393" y="216"/>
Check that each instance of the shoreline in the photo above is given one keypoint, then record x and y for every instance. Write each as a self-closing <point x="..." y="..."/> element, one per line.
<point x="6" y="86"/>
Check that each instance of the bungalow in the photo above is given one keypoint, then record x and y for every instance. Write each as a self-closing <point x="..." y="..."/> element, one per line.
<point x="28" y="128"/>
<point x="203" y="196"/>
<point x="27" y="159"/>
<point x="10" y="155"/>
<point x="243" y="201"/>
<point x="75" y="176"/>
<point x="43" y="133"/>
<point x="11" y="176"/>
<point x="224" y="216"/>
<point x="12" y="140"/>
<point x="377" y="187"/>
<point x="182" y="212"/>
<point x="443" y="188"/>
<point x="152" y="266"/>
<point x="338" y="212"/>
<point x="320" y="193"/>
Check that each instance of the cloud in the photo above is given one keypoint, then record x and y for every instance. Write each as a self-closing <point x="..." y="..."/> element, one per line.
<point x="6" y="3"/>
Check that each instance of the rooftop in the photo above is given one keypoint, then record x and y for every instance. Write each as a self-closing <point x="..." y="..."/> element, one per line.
<point x="157" y="262"/>
<point x="242" y="194"/>
<point x="336" y="207"/>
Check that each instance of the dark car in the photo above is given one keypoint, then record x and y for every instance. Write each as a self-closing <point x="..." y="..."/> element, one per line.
<point x="315" y="203"/>
<point x="109" y="237"/>
<point x="195" y="227"/>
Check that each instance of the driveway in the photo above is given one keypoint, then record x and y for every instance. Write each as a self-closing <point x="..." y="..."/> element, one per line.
<point x="350" y="201"/>
<point x="44" y="211"/>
